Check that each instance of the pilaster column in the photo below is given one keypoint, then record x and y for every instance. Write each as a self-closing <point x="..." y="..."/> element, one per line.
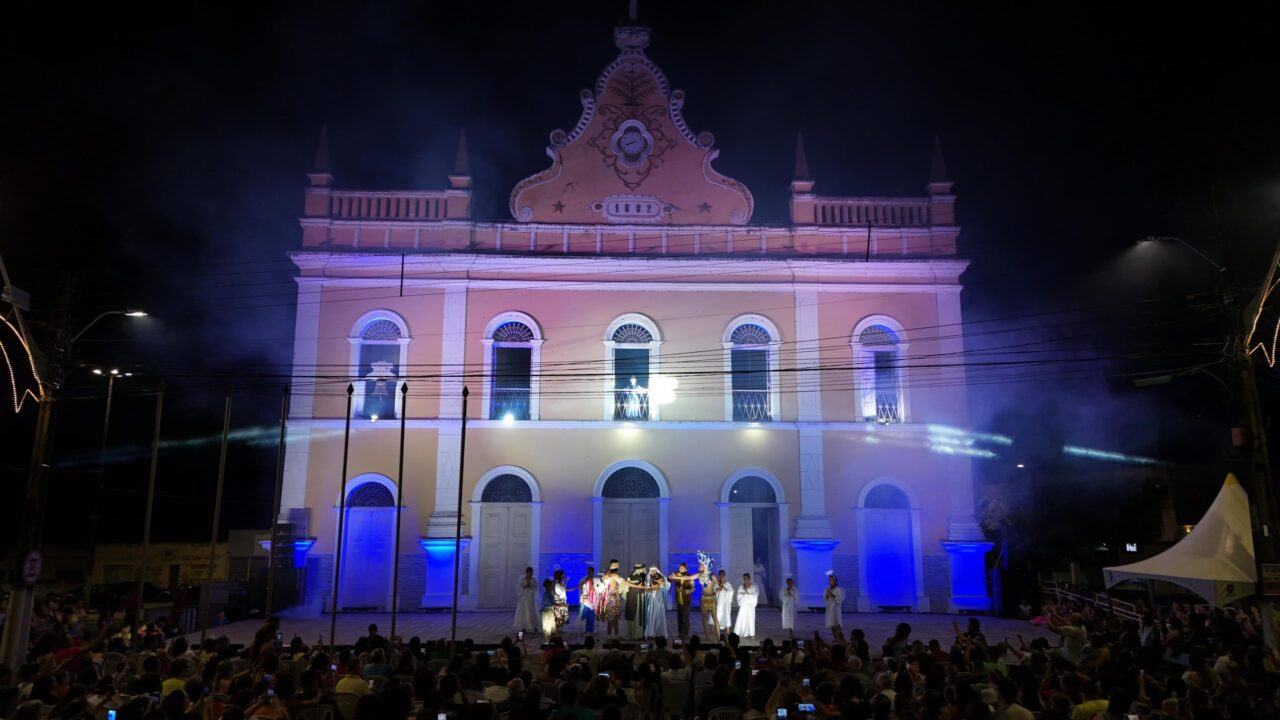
<point x="443" y="521"/>
<point x="306" y="331"/>
<point x="965" y="545"/>
<point x="813" y="541"/>
<point x="961" y="522"/>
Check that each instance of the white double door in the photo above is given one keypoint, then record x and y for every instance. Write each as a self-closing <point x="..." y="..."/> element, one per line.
<point x="506" y="544"/>
<point x="367" y="557"/>
<point x="629" y="531"/>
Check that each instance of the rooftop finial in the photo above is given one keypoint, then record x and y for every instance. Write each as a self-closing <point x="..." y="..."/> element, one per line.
<point x="321" y="169"/>
<point x="322" y="165"/>
<point x="461" y="165"/>
<point x="460" y="178"/>
<point x="939" y="182"/>
<point x="632" y="11"/>
<point x="801" y="182"/>
<point x="938" y="173"/>
<point x="802" y="160"/>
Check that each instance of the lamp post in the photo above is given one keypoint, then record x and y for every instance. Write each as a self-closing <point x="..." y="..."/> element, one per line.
<point x="112" y="375"/>
<point x="151" y="501"/>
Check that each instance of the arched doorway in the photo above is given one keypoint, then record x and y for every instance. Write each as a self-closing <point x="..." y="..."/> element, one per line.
<point x="368" y="547"/>
<point x="752" y="518"/>
<point x="890" y="566"/>
<point x="631" y="515"/>
<point x="505" y="517"/>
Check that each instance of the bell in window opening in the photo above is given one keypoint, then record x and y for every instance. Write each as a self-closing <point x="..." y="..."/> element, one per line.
<point x="380" y="378"/>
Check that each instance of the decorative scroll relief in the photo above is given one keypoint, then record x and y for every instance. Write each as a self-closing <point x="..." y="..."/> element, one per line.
<point x="633" y="208"/>
<point x="631" y="142"/>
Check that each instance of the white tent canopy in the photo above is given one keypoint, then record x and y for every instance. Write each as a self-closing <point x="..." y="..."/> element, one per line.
<point x="1215" y="561"/>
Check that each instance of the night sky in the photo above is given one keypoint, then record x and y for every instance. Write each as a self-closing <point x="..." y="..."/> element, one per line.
<point x="157" y="159"/>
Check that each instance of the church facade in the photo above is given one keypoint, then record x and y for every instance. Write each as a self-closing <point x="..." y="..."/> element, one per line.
<point x="646" y="374"/>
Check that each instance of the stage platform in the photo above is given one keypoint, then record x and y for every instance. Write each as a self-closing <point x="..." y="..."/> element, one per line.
<point x="489" y="627"/>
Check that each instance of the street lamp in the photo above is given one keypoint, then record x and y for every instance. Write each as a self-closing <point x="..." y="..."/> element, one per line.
<point x="109" y="313"/>
<point x="1184" y="243"/>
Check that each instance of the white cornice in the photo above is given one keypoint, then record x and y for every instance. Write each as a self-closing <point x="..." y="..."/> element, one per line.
<point x="628" y="285"/>
<point x="615" y="425"/>
<point x="660" y="271"/>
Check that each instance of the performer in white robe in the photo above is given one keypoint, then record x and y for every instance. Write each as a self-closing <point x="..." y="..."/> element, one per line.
<point x="724" y="603"/>
<point x="833" y="597"/>
<point x="748" y="596"/>
<point x="527" y="602"/>
<point x="790" y="598"/>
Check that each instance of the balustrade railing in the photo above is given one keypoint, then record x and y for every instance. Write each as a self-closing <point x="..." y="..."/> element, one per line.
<point x="396" y="205"/>
<point x="751" y="406"/>
<point x="900" y="212"/>
<point x="888" y="406"/>
<point x="510" y="403"/>
<point x="631" y="404"/>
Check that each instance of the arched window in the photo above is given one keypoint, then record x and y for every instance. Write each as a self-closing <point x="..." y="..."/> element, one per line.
<point x="370" y="494"/>
<point x="886" y="497"/>
<point x="878" y="344"/>
<point x="751" y="345"/>
<point x="513" y="345"/>
<point x="631" y="346"/>
<point x="630" y="483"/>
<point x="380" y="341"/>
<point x="752" y="489"/>
<point x="507" y="489"/>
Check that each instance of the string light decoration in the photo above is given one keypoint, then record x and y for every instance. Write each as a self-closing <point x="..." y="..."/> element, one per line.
<point x="1250" y="345"/>
<point x="20" y="399"/>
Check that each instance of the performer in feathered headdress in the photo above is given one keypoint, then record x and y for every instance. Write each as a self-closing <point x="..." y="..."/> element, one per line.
<point x="706" y="579"/>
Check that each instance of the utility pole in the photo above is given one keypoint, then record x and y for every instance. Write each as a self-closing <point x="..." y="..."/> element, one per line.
<point x="17" y="628"/>
<point x="1242" y="318"/>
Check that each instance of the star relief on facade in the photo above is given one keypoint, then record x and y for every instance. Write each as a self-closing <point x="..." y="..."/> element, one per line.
<point x="632" y="130"/>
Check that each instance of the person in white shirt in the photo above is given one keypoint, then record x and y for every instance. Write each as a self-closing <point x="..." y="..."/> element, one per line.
<point x="748" y="596"/>
<point x="833" y="598"/>
<point x="724" y="603"/>
<point x="527" y="602"/>
<point x="789" y="597"/>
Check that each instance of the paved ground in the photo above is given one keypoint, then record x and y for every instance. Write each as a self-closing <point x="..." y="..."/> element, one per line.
<point x="492" y="626"/>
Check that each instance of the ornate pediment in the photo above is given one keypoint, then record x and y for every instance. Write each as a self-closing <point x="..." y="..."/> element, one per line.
<point x="631" y="158"/>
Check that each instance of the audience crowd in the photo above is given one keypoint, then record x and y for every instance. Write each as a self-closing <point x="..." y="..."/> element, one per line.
<point x="1185" y="664"/>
